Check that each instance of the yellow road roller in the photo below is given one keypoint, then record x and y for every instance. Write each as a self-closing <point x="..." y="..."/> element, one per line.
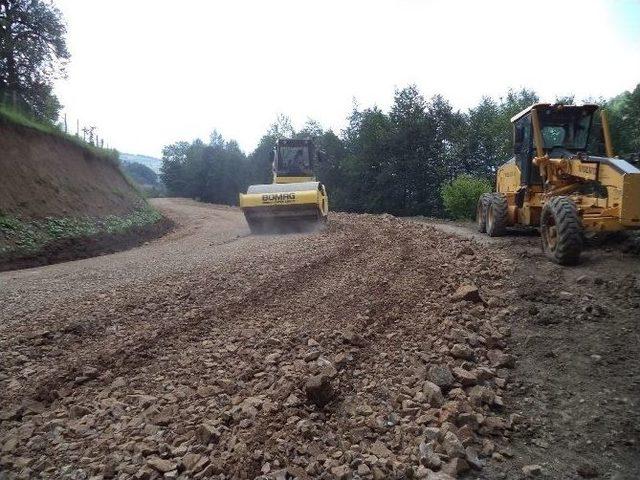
<point x="295" y="201"/>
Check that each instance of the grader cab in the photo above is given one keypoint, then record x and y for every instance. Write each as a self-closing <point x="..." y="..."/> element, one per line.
<point x="553" y="183"/>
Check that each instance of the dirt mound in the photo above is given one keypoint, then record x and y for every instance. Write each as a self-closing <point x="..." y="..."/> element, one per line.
<point x="43" y="175"/>
<point x="61" y="200"/>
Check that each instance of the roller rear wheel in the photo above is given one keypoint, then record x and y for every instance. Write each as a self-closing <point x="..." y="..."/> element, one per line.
<point x="256" y="226"/>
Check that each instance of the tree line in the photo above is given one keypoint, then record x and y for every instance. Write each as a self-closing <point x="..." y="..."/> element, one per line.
<point x="33" y="54"/>
<point x="396" y="161"/>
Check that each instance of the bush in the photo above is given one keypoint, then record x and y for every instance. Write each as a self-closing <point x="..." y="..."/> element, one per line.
<point x="460" y="196"/>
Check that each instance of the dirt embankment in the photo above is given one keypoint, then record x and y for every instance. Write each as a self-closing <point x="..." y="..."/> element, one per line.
<point x="60" y="200"/>
<point x="43" y="175"/>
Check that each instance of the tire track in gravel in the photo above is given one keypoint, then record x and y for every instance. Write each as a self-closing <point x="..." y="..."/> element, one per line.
<point x="371" y="320"/>
<point x="335" y="284"/>
<point x="372" y="290"/>
<point x="85" y="344"/>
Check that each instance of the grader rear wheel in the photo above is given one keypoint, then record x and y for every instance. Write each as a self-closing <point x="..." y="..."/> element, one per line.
<point x="561" y="231"/>
<point x="481" y="212"/>
<point x="497" y="215"/>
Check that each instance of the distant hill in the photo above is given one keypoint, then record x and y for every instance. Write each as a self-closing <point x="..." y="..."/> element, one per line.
<point x="141" y="174"/>
<point x="151" y="162"/>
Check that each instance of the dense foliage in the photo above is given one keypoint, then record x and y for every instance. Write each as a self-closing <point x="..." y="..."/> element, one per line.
<point x="33" y="53"/>
<point x="624" y="117"/>
<point x="397" y="161"/>
<point x="460" y="196"/>
<point x="212" y="172"/>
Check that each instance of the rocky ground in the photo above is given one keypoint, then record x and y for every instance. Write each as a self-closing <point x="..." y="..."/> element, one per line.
<point x="378" y="348"/>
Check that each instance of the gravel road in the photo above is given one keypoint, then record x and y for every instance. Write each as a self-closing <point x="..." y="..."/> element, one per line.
<point x="377" y="348"/>
<point x="204" y="234"/>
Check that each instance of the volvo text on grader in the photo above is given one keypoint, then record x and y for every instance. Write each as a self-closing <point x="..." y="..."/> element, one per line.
<point x="295" y="200"/>
<point x="554" y="184"/>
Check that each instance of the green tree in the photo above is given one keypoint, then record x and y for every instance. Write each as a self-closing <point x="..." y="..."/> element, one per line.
<point x="212" y="172"/>
<point x="33" y="53"/>
<point x="311" y="129"/>
<point x="485" y="139"/>
<point x="173" y="170"/>
<point x="447" y="140"/>
<point x="260" y="169"/>
<point x="396" y="162"/>
<point x="403" y="173"/>
<point x="281" y="127"/>
<point x="367" y="150"/>
<point x="624" y="118"/>
<point x="488" y="132"/>
<point x="330" y="169"/>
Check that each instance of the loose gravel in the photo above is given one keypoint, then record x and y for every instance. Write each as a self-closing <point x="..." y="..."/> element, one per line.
<point x="377" y="348"/>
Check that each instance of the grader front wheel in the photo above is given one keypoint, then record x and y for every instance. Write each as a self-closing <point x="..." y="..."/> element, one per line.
<point x="561" y="231"/>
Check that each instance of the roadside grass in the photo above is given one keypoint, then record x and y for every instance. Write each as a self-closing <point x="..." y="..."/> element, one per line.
<point x="18" y="237"/>
<point x="12" y="116"/>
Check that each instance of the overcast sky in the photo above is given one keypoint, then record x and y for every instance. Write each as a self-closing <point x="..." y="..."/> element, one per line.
<point x="151" y="72"/>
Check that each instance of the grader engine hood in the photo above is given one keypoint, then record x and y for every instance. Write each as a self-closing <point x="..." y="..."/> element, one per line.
<point x="627" y="176"/>
<point x="604" y="169"/>
<point x="620" y="179"/>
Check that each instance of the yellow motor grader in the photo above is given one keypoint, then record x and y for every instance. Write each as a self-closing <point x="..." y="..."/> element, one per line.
<point x="295" y="201"/>
<point x="554" y="184"/>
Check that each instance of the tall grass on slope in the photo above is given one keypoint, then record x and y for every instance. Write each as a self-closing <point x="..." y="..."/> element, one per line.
<point x="12" y="116"/>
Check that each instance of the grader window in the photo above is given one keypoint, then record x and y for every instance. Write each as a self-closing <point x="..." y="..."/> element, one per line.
<point x="553" y="136"/>
<point x="566" y="128"/>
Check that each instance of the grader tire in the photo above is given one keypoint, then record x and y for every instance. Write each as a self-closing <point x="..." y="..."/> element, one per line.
<point x="497" y="215"/>
<point x="561" y="231"/>
<point x="481" y="212"/>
